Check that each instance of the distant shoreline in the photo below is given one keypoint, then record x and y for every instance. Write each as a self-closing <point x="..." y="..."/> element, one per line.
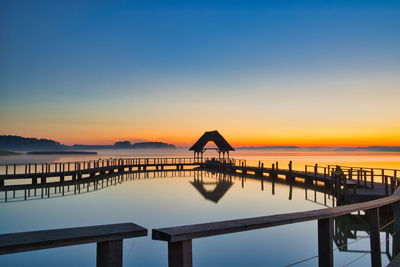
<point x="8" y="153"/>
<point x="61" y="153"/>
<point x="18" y="143"/>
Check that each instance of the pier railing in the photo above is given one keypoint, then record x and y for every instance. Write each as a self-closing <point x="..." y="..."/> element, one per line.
<point x="180" y="238"/>
<point x="108" y="238"/>
<point x="363" y="176"/>
<point x="54" y="167"/>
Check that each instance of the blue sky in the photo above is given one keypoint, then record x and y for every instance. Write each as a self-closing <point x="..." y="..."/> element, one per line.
<point x="59" y="57"/>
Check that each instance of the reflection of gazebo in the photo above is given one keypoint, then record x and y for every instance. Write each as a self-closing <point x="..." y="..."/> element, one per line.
<point x="214" y="136"/>
<point x="222" y="186"/>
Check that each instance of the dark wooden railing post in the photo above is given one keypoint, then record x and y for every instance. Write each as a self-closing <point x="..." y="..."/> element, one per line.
<point x="325" y="245"/>
<point x="372" y="178"/>
<point x="373" y="216"/>
<point x="180" y="254"/>
<point x="396" y="228"/>
<point x="109" y="254"/>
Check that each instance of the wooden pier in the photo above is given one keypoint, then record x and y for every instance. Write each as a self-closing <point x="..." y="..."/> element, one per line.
<point x="347" y="184"/>
<point x="369" y="190"/>
<point x="24" y="177"/>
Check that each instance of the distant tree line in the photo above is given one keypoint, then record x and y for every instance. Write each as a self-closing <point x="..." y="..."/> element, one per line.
<point x="19" y="143"/>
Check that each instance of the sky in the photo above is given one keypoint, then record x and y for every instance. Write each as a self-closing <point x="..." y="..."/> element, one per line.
<point x="304" y="73"/>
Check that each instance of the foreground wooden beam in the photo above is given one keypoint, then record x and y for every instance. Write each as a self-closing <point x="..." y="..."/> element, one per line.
<point x="179" y="238"/>
<point x="108" y="238"/>
<point x="187" y="232"/>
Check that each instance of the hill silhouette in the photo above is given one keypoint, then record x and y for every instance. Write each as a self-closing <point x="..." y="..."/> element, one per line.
<point x="19" y="143"/>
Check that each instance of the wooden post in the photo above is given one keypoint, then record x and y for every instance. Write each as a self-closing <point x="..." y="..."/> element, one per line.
<point x="396" y="228"/>
<point x="386" y="186"/>
<point x="325" y="245"/>
<point x="375" y="243"/>
<point x="372" y="178"/>
<point x="180" y="254"/>
<point x="273" y="171"/>
<point x="315" y="173"/>
<point x="109" y="254"/>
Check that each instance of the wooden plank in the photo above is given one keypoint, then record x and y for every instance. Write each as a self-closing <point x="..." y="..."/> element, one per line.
<point x="187" y="232"/>
<point x="27" y="241"/>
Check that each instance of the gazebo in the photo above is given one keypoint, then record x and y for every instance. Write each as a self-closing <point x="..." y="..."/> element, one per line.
<point x="222" y="145"/>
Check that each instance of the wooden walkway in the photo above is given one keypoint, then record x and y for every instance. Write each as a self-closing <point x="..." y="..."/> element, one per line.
<point x="378" y="187"/>
<point x="351" y="185"/>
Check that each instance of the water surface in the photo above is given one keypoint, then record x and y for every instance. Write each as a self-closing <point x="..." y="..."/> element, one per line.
<point x="171" y="199"/>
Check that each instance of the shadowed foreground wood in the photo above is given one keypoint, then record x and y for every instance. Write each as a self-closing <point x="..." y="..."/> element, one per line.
<point x="176" y="236"/>
<point x="108" y="238"/>
<point x="180" y="233"/>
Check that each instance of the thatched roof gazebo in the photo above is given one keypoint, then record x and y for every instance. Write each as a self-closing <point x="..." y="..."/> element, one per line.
<point x="222" y="145"/>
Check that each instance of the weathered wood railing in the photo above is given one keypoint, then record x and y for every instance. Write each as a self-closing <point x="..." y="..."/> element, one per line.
<point x="33" y="168"/>
<point x="108" y="238"/>
<point x="180" y="238"/>
<point x="364" y="176"/>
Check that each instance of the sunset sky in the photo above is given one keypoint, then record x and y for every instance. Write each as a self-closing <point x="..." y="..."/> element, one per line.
<point x="301" y="73"/>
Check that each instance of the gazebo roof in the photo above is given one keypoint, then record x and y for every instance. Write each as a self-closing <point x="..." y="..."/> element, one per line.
<point x="216" y="137"/>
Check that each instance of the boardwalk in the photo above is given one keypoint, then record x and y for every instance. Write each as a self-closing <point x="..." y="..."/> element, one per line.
<point x="345" y="184"/>
<point x="351" y="185"/>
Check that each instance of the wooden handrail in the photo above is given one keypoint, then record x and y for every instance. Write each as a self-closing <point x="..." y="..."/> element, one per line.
<point x="108" y="238"/>
<point x="187" y="232"/>
<point x="180" y="237"/>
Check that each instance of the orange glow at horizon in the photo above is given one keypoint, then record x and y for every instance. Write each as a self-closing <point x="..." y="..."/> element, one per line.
<point x="345" y="112"/>
<point x="235" y="139"/>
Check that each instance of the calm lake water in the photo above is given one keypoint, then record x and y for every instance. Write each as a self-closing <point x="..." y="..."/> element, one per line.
<point x="173" y="200"/>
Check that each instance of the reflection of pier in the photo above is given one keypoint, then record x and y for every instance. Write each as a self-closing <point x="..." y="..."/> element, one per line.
<point x="90" y="184"/>
<point x="220" y="186"/>
<point x="348" y="227"/>
<point x="348" y="185"/>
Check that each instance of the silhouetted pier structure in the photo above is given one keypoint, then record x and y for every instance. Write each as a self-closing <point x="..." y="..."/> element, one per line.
<point x="371" y="190"/>
<point x="349" y="185"/>
<point x="59" y="174"/>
